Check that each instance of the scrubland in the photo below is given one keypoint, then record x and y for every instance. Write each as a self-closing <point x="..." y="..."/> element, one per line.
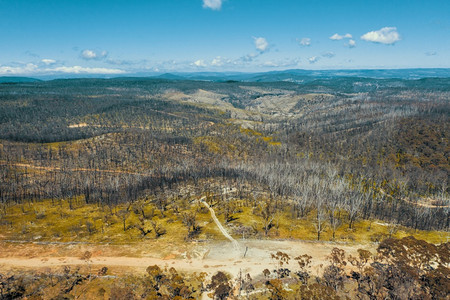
<point x="333" y="189"/>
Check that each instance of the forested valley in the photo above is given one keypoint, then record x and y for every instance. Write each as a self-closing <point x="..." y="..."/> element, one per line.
<point x="345" y="160"/>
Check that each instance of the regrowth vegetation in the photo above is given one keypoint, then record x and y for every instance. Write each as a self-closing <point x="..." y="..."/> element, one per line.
<point x="339" y="148"/>
<point x="128" y="160"/>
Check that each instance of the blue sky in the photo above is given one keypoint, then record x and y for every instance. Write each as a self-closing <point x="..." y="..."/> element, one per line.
<point x="40" y="37"/>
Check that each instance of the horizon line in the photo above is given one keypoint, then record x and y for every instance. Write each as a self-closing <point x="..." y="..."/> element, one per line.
<point x="155" y="73"/>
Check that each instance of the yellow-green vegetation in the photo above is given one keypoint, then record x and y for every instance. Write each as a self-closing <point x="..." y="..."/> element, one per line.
<point x="237" y="143"/>
<point x="56" y="145"/>
<point x="72" y="220"/>
<point x="215" y="144"/>
<point x="284" y="226"/>
<point x="250" y="132"/>
<point x="267" y="139"/>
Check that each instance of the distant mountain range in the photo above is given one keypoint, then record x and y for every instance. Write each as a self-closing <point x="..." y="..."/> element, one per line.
<point x="300" y="76"/>
<point x="9" y="79"/>
<point x="295" y="75"/>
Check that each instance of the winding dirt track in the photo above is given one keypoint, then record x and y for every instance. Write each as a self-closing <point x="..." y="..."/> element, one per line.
<point x="219" y="225"/>
<point x="209" y="257"/>
<point x="421" y="204"/>
<point x="29" y="166"/>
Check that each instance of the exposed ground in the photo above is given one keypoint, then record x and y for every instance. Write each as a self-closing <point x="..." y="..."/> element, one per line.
<point x="209" y="257"/>
<point x="248" y="256"/>
<point x="219" y="225"/>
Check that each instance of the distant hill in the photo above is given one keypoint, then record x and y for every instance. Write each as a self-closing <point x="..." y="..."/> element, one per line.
<point x="298" y="76"/>
<point x="170" y="76"/>
<point x="302" y="76"/>
<point x="9" y="79"/>
<point x="305" y="76"/>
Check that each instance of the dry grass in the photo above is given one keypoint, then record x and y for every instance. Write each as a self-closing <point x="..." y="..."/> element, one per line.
<point x="363" y="231"/>
<point x="54" y="221"/>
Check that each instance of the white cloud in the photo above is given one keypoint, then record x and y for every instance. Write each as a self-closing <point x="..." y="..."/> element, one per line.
<point x="217" y="61"/>
<point x="28" y="69"/>
<point x="351" y="44"/>
<point x="85" y="70"/>
<point x="283" y="63"/>
<point x="91" y="54"/>
<point x="199" y="63"/>
<point x="220" y="61"/>
<point x="313" y="59"/>
<point x="23" y="69"/>
<point x="338" y="37"/>
<point x="386" y="35"/>
<point x="212" y="4"/>
<point x="120" y="62"/>
<point x="261" y="44"/>
<point x="304" y="41"/>
<point x="270" y="64"/>
<point x="88" y="54"/>
<point x="48" y="61"/>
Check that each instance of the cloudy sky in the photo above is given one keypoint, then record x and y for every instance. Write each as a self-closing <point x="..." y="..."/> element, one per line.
<point x="40" y="37"/>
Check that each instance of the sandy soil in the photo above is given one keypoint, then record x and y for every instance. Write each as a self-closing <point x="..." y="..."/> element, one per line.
<point x="219" y="225"/>
<point x="208" y="257"/>
<point x="247" y="256"/>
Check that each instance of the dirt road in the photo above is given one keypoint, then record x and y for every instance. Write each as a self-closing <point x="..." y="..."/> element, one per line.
<point x="209" y="257"/>
<point x="219" y="225"/>
<point x="424" y="202"/>
<point x="248" y="256"/>
<point x="30" y="166"/>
